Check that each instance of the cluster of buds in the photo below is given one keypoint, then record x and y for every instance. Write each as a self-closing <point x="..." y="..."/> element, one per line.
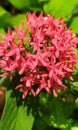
<point x="42" y="51"/>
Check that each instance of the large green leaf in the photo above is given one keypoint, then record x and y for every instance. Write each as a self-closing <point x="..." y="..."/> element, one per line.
<point x="60" y="8"/>
<point x="23" y="4"/>
<point x="20" y="4"/>
<point x="5" y="20"/>
<point x="33" y="5"/>
<point x="15" y="117"/>
<point x="74" y="25"/>
<point x="2" y="11"/>
<point x="17" y="19"/>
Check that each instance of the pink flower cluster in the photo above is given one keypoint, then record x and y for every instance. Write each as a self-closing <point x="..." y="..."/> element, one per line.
<point x="44" y="58"/>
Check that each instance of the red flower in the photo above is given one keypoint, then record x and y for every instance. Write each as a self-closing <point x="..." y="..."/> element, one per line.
<point x="47" y="59"/>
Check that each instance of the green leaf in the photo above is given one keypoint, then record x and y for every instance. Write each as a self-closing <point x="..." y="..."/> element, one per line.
<point x="17" y="19"/>
<point x="39" y="124"/>
<point x="74" y="25"/>
<point x="58" y="113"/>
<point x="5" y="20"/>
<point x="74" y="85"/>
<point x="27" y="4"/>
<point x="2" y="11"/>
<point x="15" y="117"/>
<point x="2" y="31"/>
<point x="75" y="11"/>
<point x="5" y="81"/>
<point x="20" y="4"/>
<point x="60" y="8"/>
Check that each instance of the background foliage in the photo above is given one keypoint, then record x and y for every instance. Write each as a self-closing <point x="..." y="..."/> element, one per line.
<point x="45" y="112"/>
